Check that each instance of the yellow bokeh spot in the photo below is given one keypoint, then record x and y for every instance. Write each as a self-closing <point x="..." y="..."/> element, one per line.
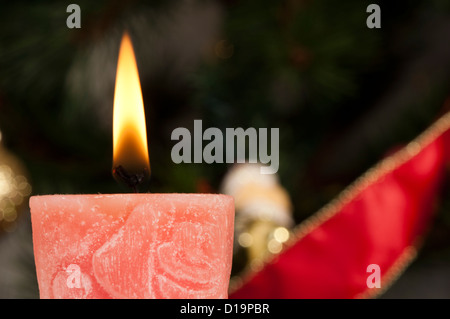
<point x="281" y="234"/>
<point x="274" y="246"/>
<point x="245" y="240"/>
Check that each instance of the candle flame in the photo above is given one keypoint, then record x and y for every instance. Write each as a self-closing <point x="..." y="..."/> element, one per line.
<point x="130" y="148"/>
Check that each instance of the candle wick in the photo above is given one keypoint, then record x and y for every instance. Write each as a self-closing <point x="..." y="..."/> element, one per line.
<point x="132" y="180"/>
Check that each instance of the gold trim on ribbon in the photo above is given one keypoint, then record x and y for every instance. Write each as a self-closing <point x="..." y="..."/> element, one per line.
<point x="408" y="255"/>
<point x="371" y="176"/>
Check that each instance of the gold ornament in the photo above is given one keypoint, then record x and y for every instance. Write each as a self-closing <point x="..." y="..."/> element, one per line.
<point x="14" y="188"/>
<point x="263" y="212"/>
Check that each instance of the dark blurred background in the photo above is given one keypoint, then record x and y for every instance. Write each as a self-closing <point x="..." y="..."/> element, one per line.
<point x="343" y="96"/>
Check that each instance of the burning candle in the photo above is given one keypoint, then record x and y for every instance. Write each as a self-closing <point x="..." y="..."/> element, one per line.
<point x="132" y="245"/>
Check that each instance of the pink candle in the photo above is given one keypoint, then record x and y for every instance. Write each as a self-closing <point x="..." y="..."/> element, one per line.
<point x="132" y="245"/>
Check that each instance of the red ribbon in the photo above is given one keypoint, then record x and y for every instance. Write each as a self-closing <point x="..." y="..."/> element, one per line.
<point x="380" y="219"/>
